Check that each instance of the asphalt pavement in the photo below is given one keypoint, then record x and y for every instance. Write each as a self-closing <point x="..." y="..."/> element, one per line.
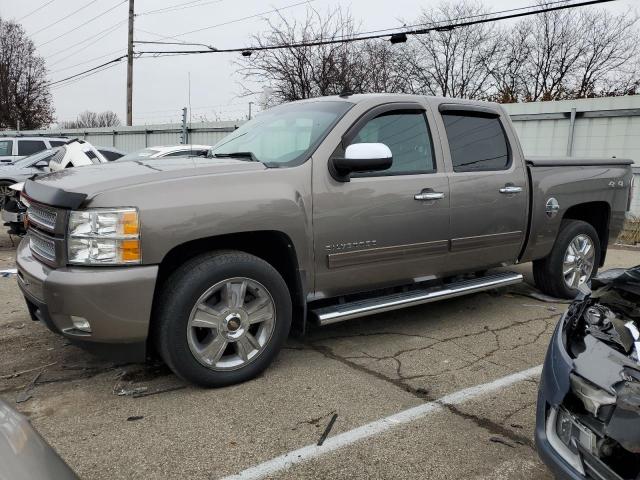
<point x="445" y="390"/>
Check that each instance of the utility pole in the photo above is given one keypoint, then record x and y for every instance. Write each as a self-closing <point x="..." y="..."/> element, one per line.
<point x="184" y="137"/>
<point x="130" y="67"/>
<point x="250" y="103"/>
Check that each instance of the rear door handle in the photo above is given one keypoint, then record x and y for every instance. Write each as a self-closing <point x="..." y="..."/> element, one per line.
<point x="510" y="189"/>
<point x="429" y="196"/>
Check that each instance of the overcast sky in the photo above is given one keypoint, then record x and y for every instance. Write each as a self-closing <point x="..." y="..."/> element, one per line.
<point x="161" y="84"/>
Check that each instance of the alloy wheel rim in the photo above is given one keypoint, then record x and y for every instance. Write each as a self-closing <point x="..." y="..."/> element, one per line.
<point x="579" y="260"/>
<point x="231" y="324"/>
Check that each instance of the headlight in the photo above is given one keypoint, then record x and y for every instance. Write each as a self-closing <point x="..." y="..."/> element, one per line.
<point x="104" y="237"/>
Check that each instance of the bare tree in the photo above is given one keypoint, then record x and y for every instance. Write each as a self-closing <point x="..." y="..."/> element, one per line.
<point x="454" y="62"/>
<point x="89" y="119"/>
<point x="568" y="54"/>
<point x="296" y="72"/>
<point x="24" y="93"/>
<point x="609" y="64"/>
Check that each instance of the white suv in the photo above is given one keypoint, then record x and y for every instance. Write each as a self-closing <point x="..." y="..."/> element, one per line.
<point x="15" y="148"/>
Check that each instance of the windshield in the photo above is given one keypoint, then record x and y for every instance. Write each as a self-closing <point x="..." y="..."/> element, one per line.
<point x="138" y="155"/>
<point x="284" y="135"/>
<point x="35" y="158"/>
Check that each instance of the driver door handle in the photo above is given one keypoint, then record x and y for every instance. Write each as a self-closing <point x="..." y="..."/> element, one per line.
<point x="428" y="196"/>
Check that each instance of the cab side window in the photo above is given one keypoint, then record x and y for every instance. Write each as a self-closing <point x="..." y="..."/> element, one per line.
<point x="477" y="143"/>
<point x="407" y="135"/>
<point x="29" y="147"/>
<point x="6" y="148"/>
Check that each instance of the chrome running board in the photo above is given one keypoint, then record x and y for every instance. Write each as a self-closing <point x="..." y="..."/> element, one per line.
<point x="395" y="301"/>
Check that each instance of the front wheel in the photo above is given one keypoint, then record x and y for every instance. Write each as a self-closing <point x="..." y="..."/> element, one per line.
<point x="223" y="318"/>
<point x="573" y="260"/>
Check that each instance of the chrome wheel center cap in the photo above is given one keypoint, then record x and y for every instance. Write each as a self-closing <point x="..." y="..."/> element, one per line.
<point x="233" y="322"/>
<point x="233" y="326"/>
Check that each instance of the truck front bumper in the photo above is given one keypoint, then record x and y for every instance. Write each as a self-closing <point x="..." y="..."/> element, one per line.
<point x="115" y="301"/>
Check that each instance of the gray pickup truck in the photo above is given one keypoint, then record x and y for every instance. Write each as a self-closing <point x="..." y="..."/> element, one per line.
<point x="319" y="210"/>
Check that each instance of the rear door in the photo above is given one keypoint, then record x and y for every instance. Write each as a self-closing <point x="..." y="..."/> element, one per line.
<point x="489" y="188"/>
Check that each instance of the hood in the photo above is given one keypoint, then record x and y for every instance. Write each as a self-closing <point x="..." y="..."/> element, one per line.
<point x="93" y="179"/>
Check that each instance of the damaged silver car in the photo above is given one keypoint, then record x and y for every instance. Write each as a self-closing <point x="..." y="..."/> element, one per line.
<point x="588" y="417"/>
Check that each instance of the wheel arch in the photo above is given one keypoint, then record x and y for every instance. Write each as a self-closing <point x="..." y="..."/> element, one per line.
<point x="598" y="215"/>
<point x="272" y="246"/>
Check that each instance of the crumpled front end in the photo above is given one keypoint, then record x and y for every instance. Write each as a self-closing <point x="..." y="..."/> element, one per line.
<point x="589" y="405"/>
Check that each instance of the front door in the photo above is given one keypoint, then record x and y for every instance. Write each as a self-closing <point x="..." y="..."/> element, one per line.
<point x="388" y="227"/>
<point x="489" y="192"/>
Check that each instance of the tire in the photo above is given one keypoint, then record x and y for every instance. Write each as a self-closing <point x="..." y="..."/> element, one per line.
<point x="548" y="272"/>
<point x="238" y="289"/>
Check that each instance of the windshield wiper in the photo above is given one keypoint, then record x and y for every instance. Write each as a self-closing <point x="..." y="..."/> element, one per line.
<point x="248" y="155"/>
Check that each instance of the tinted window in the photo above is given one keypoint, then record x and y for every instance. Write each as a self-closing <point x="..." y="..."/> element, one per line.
<point x="5" y="147"/>
<point x="28" y="147"/>
<point x="180" y="153"/>
<point x="408" y="137"/>
<point x="57" y="143"/>
<point x="476" y="143"/>
<point x="109" y="155"/>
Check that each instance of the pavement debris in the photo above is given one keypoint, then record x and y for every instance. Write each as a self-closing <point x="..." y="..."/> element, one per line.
<point x="133" y="418"/>
<point x="26" y="393"/>
<point x="8" y="272"/>
<point x="325" y="434"/>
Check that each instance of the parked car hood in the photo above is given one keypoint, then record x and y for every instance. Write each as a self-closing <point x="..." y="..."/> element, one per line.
<point x="93" y="179"/>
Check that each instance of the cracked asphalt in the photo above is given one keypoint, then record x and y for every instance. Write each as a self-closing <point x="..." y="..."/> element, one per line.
<point x="139" y="421"/>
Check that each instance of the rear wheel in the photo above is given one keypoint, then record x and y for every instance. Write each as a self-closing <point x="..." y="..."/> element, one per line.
<point x="573" y="260"/>
<point x="223" y="318"/>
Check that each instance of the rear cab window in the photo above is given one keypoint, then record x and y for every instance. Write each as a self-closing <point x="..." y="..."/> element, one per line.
<point x="29" y="147"/>
<point x="477" y="142"/>
<point x="6" y="148"/>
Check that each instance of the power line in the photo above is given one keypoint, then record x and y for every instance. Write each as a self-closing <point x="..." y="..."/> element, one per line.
<point x="63" y="18"/>
<point x="450" y="26"/>
<point x="180" y="6"/>
<point x="332" y="41"/>
<point x="114" y="60"/>
<point x="35" y="10"/>
<point x="86" y="22"/>
<point x="86" y="61"/>
<point x="85" y="75"/>
<point x="356" y="37"/>
<point x="286" y="7"/>
<point x="92" y="40"/>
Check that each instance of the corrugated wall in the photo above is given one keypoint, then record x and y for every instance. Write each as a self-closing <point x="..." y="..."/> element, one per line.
<point x="602" y="127"/>
<point x="130" y="139"/>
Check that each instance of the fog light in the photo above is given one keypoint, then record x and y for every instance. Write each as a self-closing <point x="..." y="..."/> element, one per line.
<point x="80" y="323"/>
<point x="564" y="426"/>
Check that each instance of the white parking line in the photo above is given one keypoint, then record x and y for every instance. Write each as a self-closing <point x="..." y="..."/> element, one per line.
<point x="379" y="426"/>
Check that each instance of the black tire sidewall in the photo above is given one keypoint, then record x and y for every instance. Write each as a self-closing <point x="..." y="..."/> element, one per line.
<point x="568" y="231"/>
<point x="186" y="286"/>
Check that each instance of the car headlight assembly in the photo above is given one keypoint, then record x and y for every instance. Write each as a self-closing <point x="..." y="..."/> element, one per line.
<point x="104" y="237"/>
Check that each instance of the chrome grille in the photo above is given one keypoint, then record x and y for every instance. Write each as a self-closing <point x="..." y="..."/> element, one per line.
<point x="42" y="216"/>
<point x="43" y="247"/>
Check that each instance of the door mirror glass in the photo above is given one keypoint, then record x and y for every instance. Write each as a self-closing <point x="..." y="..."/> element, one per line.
<point x="41" y="165"/>
<point x="362" y="157"/>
